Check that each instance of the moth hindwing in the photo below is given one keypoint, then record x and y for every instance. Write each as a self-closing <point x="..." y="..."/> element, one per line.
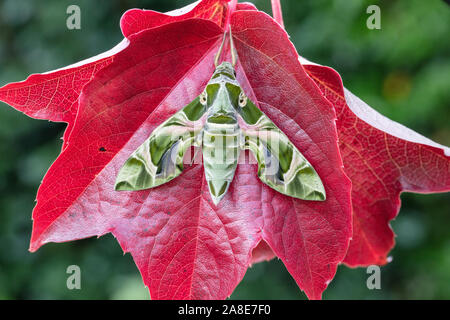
<point x="223" y="121"/>
<point x="280" y="164"/>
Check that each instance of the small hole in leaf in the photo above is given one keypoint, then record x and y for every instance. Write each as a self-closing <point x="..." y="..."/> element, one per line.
<point x="102" y="149"/>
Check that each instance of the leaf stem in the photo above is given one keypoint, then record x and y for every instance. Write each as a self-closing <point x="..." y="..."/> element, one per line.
<point x="277" y="13"/>
<point x="231" y="8"/>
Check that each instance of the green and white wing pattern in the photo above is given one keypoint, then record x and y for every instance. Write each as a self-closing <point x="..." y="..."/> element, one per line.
<point x="222" y="105"/>
<point x="160" y="158"/>
<point x="280" y="164"/>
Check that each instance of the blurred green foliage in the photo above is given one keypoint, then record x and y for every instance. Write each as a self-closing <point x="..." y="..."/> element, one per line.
<point x="402" y="70"/>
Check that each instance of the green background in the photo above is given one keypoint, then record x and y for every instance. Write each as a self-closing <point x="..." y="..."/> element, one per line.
<point x="402" y="70"/>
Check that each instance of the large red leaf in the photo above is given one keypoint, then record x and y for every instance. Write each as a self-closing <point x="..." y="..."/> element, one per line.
<point x="142" y="19"/>
<point x="383" y="159"/>
<point x="183" y="245"/>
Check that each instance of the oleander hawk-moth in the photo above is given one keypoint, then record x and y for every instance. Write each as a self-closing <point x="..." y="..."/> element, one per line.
<point x="222" y="121"/>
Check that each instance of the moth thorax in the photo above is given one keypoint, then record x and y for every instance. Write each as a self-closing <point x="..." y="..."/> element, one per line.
<point x="221" y="145"/>
<point x="222" y="128"/>
<point x="225" y="68"/>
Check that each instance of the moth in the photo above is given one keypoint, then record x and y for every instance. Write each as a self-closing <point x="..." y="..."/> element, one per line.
<point x="222" y="121"/>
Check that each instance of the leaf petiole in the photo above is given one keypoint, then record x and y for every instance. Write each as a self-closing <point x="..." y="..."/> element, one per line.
<point x="277" y="13"/>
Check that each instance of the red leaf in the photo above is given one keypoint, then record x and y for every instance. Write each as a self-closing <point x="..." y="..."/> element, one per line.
<point x="53" y="95"/>
<point x="118" y="109"/>
<point x="136" y="20"/>
<point x="383" y="159"/>
<point x="310" y="237"/>
<point x="92" y="132"/>
<point x="183" y="245"/>
<point x="245" y="6"/>
<point x="262" y="253"/>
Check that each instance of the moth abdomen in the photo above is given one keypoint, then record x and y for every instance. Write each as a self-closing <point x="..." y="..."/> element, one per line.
<point x="221" y="147"/>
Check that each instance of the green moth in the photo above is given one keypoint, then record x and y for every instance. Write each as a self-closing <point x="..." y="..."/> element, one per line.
<point x="223" y="122"/>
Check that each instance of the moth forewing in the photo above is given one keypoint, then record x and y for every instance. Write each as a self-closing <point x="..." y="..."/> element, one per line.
<point x="160" y="158"/>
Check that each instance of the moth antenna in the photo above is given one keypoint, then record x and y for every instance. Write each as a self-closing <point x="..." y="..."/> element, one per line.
<point x="218" y="54"/>
<point x="233" y="50"/>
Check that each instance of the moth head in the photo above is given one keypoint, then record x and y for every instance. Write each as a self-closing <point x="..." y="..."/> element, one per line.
<point x="225" y="69"/>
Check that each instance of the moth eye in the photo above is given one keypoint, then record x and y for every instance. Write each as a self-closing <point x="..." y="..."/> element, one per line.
<point x="203" y="98"/>
<point x="242" y="99"/>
